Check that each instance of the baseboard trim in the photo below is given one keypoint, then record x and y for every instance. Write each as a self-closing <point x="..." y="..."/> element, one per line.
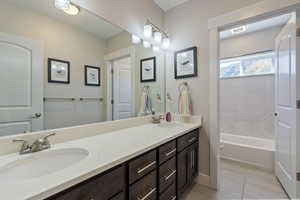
<point x="249" y="164"/>
<point x="203" y="179"/>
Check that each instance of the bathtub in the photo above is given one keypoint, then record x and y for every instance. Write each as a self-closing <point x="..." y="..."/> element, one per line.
<point x="250" y="150"/>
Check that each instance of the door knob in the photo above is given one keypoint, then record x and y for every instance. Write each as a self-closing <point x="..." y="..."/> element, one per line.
<point x="276" y="114"/>
<point x="36" y="115"/>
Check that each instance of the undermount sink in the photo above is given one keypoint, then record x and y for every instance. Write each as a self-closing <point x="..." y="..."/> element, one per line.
<point x="170" y="124"/>
<point x="41" y="163"/>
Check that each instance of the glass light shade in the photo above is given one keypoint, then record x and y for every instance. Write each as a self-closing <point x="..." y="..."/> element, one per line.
<point x="72" y="10"/>
<point x="155" y="48"/>
<point x="146" y="44"/>
<point x="62" y="4"/>
<point x="148" y="31"/>
<point x="157" y="37"/>
<point x="166" y="43"/>
<point x="135" y="39"/>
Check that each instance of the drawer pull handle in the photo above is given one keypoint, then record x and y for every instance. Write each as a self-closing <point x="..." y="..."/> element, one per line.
<point x="170" y="175"/>
<point x="173" y="198"/>
<point x="192" y="140"/>
<point x="170" y="152"/>
<point x="147" y="195"/>
<point x="146" y="167"/>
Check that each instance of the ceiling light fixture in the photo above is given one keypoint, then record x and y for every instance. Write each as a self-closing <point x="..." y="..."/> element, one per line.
<point x="62" y="4"/>
<point x="238" y="30"/>
<point x="146" y="44"/>
<point x="72" y="10"/>
<point x="135" y="39"/>
<point x="157" y="37"/>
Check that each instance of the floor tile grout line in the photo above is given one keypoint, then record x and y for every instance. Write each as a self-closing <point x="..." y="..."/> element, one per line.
<point x="244" y="185"/>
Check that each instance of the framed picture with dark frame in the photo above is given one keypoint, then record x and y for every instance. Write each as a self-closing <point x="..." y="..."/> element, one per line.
<point x="92" y="75"/>
<point x="148" y="69"/>
<point x="58" y="71"/>
<point x="186" y="63"/>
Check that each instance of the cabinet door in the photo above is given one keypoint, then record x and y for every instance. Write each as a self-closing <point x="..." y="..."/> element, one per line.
<point x="192" y="162"/>
<point x="182" y="160"/>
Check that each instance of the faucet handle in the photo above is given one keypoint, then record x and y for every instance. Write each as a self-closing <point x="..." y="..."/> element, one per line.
<point x="49" y="135"/>
<point x="25" y="146"/>
<point x="20" y="141"/>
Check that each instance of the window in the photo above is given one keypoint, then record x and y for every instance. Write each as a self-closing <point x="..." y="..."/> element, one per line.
<point x="256" y="64"/>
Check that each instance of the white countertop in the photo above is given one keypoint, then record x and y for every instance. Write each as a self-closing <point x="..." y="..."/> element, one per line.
<point x="106" y="150"/>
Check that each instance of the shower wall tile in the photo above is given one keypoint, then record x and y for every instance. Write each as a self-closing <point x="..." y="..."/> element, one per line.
<point x="247" y="106"/>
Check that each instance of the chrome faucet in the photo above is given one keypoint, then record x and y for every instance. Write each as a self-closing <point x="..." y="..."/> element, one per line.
<point x="38" y="145"/>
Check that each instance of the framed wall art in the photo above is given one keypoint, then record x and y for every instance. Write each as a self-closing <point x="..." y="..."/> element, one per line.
<point x="148" y="69"/>
<point x="92" y="75"/>
<point x="185" y="63"/>
<point x="58" y="71"/>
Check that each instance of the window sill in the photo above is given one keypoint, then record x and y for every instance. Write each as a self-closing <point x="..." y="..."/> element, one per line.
<point x="248" y="76"/>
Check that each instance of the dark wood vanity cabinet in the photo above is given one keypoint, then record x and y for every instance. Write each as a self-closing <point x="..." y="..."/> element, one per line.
<point x="187" y="161"/>
<point x="160" y="174"/>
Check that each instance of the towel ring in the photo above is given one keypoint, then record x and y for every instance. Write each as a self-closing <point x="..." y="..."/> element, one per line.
<point x="182" y="86"/>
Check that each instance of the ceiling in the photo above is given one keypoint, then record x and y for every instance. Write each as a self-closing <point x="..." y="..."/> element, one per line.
<point x="258" y="26"/>
<point x="84" y="20"/>
<point x="169" y="4"/>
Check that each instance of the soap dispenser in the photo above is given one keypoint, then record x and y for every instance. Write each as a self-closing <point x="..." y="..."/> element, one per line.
<point x="168" y="117"/>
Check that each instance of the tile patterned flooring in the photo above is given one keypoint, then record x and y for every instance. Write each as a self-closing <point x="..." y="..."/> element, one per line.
<point x="239" y="182"/>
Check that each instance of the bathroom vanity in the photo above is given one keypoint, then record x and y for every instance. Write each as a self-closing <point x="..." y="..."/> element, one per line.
<point x="120" y="160"/>
<point x="162" y="173"/>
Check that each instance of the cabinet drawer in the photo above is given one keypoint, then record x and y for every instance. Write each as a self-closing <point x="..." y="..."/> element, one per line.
<point x="144" y="189"/>
<point x="141" y="166"/>
<point x="167" y="151"/>
<point x="97" y="187"/>
<point x="167" y="174"/>
<point x="169" y="194"/>
<point x="187" y="140"/>
<point x="120" y="196"/>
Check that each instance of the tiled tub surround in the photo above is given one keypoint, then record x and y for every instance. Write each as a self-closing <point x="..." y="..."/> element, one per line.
<point x="108" y="144"/>
<point x="247" y="106"/>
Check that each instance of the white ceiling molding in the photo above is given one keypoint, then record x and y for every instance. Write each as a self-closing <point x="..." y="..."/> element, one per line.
<point x="258" y="26"/>
<point x="169" y="4"/>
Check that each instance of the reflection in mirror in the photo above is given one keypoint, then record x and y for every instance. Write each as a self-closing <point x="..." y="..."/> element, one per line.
<point x="62" y="68"/>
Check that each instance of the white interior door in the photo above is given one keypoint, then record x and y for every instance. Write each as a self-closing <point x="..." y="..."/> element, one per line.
<point x="21" y="85"/>
<point x="286" y="107"/>
<point x="122" y="89"/>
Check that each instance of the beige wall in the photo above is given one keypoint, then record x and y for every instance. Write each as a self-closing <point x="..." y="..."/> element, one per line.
<point x="61" y="41"/>
<point x="131" y="15"/>
<point x="120" y="41"/>
<point x="249" y="43"/>
<point x="188" y="26"/>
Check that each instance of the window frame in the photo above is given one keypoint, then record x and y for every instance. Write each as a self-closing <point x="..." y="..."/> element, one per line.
<point x="241" y="66"/>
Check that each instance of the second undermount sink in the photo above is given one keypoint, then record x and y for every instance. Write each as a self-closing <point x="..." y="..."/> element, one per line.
<point x="41" y="164"/>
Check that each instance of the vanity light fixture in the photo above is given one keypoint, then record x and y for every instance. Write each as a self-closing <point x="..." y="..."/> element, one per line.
<point x="62" y="4"/>
<point x="238" y="30"/>
<point x="148" y="31"/>
<point x="160" y="38"/>
<point x="155" y="48"/>
<point x="72" y="10"/>
<point x="157" y="37"/>
<point x="166" y="43"/>
<point x="146" y="44"/>
<point x="135" y="39"/>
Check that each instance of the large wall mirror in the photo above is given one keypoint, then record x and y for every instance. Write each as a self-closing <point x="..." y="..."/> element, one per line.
<point x="62" y="69"/>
